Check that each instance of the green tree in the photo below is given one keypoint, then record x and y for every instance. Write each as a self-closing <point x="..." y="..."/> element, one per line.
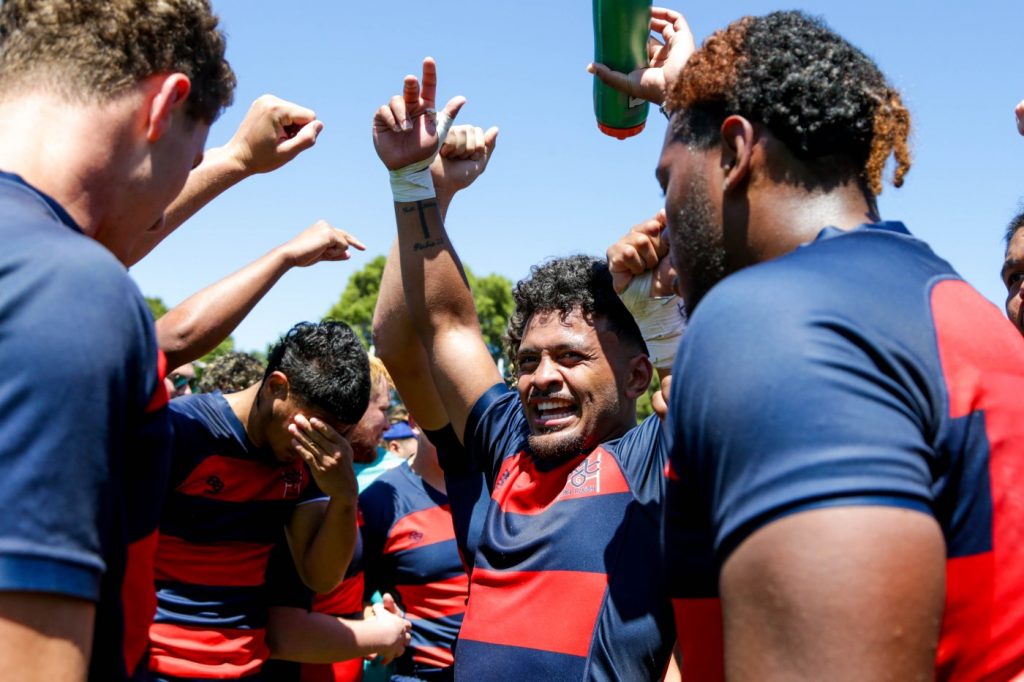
<point x="492" y="294"/>
<point x="156" y="305"/>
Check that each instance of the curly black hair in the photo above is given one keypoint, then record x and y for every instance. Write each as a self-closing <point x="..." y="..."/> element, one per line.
<point x="823" y="98"/>
<point x="569" y="284"/>
<point x="327" y="368"/>
<point x="231" y="372"/>
<point x="1015" y="225"/>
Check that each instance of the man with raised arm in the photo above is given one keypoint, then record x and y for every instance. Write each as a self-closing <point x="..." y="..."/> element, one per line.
<point x="848" y="434"/>
<point x="567" y="582"/>
<point x="106" y="107"/>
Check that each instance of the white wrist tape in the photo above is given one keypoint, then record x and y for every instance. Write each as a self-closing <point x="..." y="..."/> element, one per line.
<point x="662" y="319"/>
<point x="413" y="182"/>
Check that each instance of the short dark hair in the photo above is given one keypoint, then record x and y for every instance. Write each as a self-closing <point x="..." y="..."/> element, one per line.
<point x="823" y="98"/>
<point x="574" y="283"/>
<point x="96" y="50"/>
<point x="327" y="368"/>
<point x="231" y="372"/>
<point x="1016" y="224"/>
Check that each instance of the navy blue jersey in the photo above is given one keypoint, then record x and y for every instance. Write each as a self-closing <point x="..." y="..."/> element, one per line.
<point x="857" y="370"/>
<point x="567" y="581"/>
<point x="228" y="504"/>
<point x="409" y="550"/>
<point x="83" y="430"/>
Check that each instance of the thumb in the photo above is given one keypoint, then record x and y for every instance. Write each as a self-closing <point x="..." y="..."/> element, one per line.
<point x="613" y="79"/>
<point x="389" y="603"/>
<point x="455" y="104"/>
<point x="491" y="139"/>
<point x="1020" y="116"/>
<point x="304" y="139"/>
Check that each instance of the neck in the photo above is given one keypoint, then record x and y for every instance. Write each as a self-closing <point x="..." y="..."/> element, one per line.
<point x="427" y="468"/>
<point x="790" y="216"/>
<point x="70" y="151"/>
<point x="243" y="404"/>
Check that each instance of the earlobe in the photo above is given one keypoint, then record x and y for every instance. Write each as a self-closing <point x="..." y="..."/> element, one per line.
<point x="168" y="95"/>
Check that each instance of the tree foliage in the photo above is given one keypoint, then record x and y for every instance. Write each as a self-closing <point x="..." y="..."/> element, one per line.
<point x="492" y="294"/>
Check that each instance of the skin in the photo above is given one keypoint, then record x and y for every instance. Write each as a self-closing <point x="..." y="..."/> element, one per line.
<point x="366" y="434"/>
<point x="785" y="614"/>
<point x="1012" y="275"/>
<point x="573" y="375"/>
<point x="321" y="535"/>
<point x="122" y="161"/>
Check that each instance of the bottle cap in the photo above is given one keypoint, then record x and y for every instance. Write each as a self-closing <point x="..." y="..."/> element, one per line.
<point x="621" y="133"/>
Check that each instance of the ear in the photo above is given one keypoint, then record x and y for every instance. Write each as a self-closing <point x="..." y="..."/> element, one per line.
<point x="392" y="445"/>
<point x="640" y="373"/>
<point x="277" y="384"/>
<point x="168" y="95"/>
<point x="737" y="149"/>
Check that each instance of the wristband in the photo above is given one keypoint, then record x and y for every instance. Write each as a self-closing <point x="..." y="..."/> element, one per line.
<point x="661" y="319"/>
<point x="414" y="182"/>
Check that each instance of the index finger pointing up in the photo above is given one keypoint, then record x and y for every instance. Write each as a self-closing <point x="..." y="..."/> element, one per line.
<point x="429" y="82"/>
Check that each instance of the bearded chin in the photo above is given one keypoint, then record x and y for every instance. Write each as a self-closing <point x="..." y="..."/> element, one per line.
<point x="555" y="445"/>
<point x="700" y="245"/>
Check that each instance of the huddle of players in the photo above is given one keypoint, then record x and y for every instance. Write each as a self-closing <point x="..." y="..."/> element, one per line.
<point x="834" y="488"/>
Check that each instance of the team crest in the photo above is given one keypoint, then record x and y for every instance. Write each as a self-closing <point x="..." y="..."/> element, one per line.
<point x="585" y="479"/>
<point x="292" y="479"/>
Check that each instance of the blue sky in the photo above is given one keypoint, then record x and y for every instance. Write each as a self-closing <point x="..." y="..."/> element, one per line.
<point x="556" y="185"/>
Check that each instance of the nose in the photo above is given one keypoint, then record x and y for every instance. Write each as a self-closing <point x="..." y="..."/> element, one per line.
<point x="546" y="377"/>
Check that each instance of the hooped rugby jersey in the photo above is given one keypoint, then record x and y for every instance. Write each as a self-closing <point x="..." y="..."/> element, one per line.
<point x="83" y="427"/>
<point x="568" y="580"/>
<point x="225" y="513"/>
<point x="409" y="550"/>
<point x="859" y="369"/>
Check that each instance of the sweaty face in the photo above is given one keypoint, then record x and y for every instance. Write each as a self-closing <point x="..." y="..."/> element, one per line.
<point x="1013" y="274"/>
<point x="365" y="435"/>
<point x="695" y="237"/>
<point x="570" y="374"/>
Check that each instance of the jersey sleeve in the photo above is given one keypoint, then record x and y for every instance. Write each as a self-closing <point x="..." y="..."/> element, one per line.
<point x="642" y="454"/>
<point x="792" y="405"/>
<point x="496" y="429"/>
<point x="467" y="493"/>
<point x="78" y="365"/>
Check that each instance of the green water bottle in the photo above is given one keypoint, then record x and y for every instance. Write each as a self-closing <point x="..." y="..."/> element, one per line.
<point x="621" y="29"/>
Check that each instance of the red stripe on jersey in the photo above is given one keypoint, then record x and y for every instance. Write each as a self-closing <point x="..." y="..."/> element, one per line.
<point x="699" y="631"/>
<point x="160" y="397"/>
<point x="433" y="656"/>
<point x="670" y="472"/>
<point x="138" y="598"/>
<point x="435" y="599"/>
<point x="198" y="652"/>
<point x="521" y="489"/>
<point x="225" y="564"/>
<point x="343" y="671"/>
<point x="419" y="529"/>
<point x="240" y="480"/>
<point x="345" y="599"/>
<point x="982" y="359"/>
<point x="547" y="610"/>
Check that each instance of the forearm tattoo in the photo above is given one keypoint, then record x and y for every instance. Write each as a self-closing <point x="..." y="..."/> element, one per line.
<point x="421" y="207"/>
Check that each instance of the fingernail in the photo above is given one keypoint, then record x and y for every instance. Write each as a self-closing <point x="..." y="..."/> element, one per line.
<point x="406" y="124"/>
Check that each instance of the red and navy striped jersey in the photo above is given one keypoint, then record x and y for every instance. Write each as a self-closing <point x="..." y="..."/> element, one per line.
<point x="83" y="427"/>
<point x="568" y="580"/>
<point x="228" y="505"/>
<point x="858" y="369"/>
<point x="409" y="550"/>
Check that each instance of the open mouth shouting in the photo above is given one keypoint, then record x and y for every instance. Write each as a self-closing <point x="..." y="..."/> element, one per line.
<point x="551" y="413"/>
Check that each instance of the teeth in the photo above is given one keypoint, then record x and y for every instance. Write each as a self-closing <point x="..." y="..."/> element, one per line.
<point x="553" y="404"/>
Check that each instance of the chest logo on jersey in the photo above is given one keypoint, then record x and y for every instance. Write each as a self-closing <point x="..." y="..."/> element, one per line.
<point x="585" y="479"/>
<point x="215" y="483"/>
<point x="292" y="480"/>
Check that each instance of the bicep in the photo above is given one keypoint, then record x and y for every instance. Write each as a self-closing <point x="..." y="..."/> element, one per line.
<point x="838" y="593"/>
<point x="45" y="637"/>
<point x="463" y="371"/>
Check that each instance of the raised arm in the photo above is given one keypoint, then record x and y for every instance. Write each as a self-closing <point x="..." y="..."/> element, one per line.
<point x="407" y="134"/>
<point x="195" y="326"/>
<point x="667" y="57"/>
<point x="644" y="278"/>
<point x="273" y="133"/>
<point x="462" y="159"/>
